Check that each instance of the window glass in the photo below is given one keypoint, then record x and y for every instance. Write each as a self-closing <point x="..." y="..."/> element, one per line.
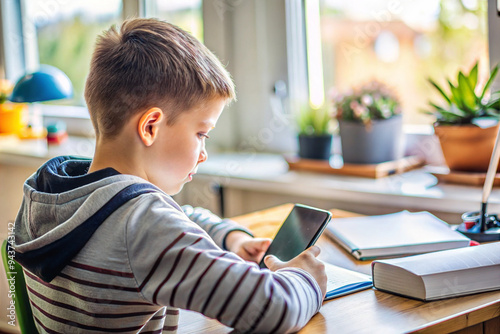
<point x="187" y="14"/>
<point x="402" y="43"/>
<point x="66" y="32"/>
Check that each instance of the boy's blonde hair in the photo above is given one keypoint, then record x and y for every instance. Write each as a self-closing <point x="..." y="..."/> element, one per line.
<point x="150" y="63"/>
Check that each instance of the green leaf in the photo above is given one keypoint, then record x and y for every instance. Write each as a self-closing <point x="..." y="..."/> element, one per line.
<point x="319" y="121"/>
<point x="455" y="95"/>
<point x="495" y="95"/>
<point x="466" y="92"/>
<point x="439" y="108"/>
<point x="440" y="90"/>
<point x="455" y="113"/>
<point x="494" y="104"/>
<point x="493" y="113"/>
<point x="313" y="121"/>
<point x="490" y="81"/>
<point x="427" y="112"/>
<point x="473" y="76"/>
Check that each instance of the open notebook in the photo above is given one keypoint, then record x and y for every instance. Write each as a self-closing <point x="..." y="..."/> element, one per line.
<point x="343" y="281"/>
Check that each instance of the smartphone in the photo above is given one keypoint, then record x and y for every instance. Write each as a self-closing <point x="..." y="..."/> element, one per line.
<point x="301" y="229"/>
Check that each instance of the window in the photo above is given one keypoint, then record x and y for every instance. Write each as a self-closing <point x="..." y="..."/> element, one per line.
<point x="66" y="32"/>
<point x="186" y="14"/>
<point x="402" y="43"/>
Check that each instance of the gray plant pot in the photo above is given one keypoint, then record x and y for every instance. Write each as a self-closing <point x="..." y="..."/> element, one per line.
<point x="381" y="142"/>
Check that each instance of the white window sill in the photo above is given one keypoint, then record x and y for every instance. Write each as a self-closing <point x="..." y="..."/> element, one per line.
<point x="76" y="118"/>
<point x="34" y="152"/>
<point x="416" y="190"/>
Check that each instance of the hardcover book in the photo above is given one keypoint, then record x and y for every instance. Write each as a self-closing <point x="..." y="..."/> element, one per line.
<point x="443" y="274"/>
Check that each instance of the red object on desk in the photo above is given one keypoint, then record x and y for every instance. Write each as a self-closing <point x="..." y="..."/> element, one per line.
<point x="56" y="138"/>
<point x="469" y="225"/>
<point x="56" y="133"/>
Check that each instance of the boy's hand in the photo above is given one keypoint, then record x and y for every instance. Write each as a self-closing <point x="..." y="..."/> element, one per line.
<point x="248" y="248"/>
<point x="306" y="260"/>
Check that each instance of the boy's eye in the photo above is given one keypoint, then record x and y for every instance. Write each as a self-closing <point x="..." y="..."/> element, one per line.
<point x="203" y="135"/>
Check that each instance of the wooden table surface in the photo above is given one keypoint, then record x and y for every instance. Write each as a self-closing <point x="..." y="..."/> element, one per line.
<point x="368" y="311"/>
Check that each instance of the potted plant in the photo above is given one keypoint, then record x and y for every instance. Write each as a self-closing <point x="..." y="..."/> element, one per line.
<point x="315" y="137"/>
<point x="370" y="124"/>
<point x="467" y="122"/>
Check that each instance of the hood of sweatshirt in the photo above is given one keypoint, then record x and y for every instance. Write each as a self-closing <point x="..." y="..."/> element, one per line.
<point x="62" y="207"/>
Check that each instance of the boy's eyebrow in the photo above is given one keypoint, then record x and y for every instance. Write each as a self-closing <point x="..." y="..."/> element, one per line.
<point x="208" y="123"/>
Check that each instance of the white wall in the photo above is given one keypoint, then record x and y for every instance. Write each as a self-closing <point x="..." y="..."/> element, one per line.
<point x="249" y="36"/>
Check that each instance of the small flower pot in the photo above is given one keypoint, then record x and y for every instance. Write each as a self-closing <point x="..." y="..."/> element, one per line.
<point x="315" y="147"/>
<point x="467" y="148"/>
<point x="379" y="142"/>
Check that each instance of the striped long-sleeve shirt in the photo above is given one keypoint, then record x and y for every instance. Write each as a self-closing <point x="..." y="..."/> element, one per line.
<point x="105" y="252"/>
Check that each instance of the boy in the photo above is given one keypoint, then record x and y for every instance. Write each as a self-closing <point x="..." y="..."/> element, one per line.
<point x="106" y="249"/>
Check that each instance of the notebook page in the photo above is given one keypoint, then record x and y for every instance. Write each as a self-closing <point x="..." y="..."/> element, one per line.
<point x="342" y="281"/>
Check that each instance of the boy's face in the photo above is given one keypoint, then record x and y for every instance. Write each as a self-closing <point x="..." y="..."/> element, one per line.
<point x="181" y="147"/>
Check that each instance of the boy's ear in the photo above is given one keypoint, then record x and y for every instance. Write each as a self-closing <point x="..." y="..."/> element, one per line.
<point x="149" y="125"/>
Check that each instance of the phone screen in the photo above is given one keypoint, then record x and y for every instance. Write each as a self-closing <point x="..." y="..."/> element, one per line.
<point x="301" y="229"/>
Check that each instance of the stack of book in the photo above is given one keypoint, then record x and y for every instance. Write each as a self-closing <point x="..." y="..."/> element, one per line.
<point x="449" y="268"/>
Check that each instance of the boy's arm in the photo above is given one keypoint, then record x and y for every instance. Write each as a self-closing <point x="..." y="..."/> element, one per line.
<point x="217" y="228"/>
<point x="176" y="264"/>
<point x="228" y="234"/>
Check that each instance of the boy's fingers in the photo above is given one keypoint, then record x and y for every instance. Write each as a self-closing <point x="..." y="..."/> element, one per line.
<point x="314" y="250"/>
<point x="272" y="261"/>
<point x="263" y="244"/>
<point x="257" y="246"/>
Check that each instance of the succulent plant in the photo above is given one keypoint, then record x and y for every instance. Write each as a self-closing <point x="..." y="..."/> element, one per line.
<point x="466" y="103"/>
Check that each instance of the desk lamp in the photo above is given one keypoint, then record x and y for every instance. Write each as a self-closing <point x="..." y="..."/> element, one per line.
<point x="479" y="225"/>
<point x="46" y="84"/>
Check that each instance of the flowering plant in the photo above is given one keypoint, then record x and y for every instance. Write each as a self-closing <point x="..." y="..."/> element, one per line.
<point x="5" y="90"/>
<point x="369" y="102"/>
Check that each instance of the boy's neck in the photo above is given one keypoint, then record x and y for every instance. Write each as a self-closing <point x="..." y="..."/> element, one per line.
<point x="118" y="153"/>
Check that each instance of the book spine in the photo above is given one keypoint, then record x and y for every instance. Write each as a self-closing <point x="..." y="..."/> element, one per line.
<point x="335" y="235"/>
<point x="357" y="254"/>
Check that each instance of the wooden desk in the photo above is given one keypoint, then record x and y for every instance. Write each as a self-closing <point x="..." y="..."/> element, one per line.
<point x="368" y="311"/>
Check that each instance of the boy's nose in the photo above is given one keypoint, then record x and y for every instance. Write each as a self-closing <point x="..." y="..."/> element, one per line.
<point x="203" y="156"/>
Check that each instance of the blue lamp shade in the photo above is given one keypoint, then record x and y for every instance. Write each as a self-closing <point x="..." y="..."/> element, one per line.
<point x="48" y="83"/>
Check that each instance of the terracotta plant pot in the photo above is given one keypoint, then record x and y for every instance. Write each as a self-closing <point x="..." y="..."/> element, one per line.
<point x="466" y="148"/>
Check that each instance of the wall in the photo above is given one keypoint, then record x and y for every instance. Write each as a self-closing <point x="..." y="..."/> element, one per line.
<point x="250" y="38"/>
